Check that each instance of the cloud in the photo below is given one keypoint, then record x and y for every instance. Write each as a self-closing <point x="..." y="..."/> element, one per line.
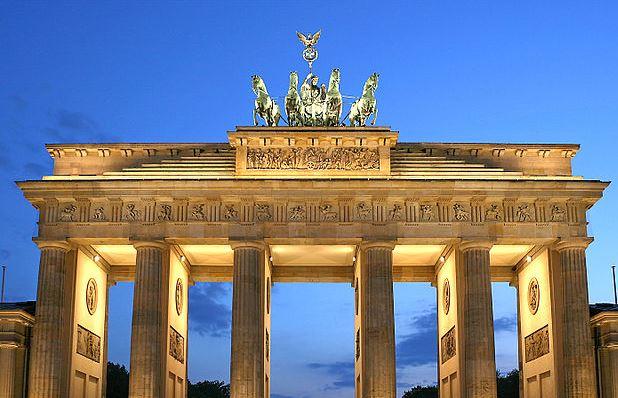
<point x="505" y="324"/>
<point x="342" y="371"/>
<point x="273" y="395"/>
<point x="210" y="313"/>
<point x="420" y="346"/>
<point x="18" y="102"/>
<point x="76" y="121"/>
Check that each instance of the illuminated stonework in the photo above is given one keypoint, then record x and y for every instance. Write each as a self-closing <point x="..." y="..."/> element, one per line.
<point x="313" y="204"/>
<point x="88" y="344"/>
<point x="448" y="345"/>
<point x="537" y="344"/>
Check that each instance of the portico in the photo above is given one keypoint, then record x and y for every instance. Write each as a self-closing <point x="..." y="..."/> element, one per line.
<point x="313" y="204"/>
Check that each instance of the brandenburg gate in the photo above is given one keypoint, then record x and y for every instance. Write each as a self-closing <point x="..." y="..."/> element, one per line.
<point x="313" y="201"/>
<point x="318" y="204"/>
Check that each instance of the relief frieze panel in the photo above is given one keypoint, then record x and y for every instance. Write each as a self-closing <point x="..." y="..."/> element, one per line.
<point x="448" y="345"/>
<point x="313" y="158"/>
<point x="88" y="344"/>
<point x="331" y="210"/>
<point x="537" y="344"/>
<point x="177" y="345"/>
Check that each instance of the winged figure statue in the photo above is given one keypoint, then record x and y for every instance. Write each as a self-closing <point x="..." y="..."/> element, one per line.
<point x="311" y="39"/>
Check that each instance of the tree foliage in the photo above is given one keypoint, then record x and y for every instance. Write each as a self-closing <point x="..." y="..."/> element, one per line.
<point x="118" y="385"/>
<point x="117" y="381"/>
<point x="508" y="387"/>
<point x="209" y="389"/>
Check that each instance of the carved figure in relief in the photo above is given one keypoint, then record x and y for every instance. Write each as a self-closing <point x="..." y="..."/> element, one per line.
<point x="333" y="103"/>
<point x="99" y="214"/>
<point x="177" y="346"/>
<point x="132" y="213"/>
<point x="396" y="213"/>
<point x="68" y="213"/>
<point x="88" y="344"/>
<point x="363" y="211"/>
<point x="523" y="213"/>
<point x="366" y="105"/>
<point x="461" y="214"/>
<point x="426" y="212"/>
<point x="265" y="106"/>
<point x="292" y="102"/>
<point x="493" y="213"/>
<point x="557" y="213"/>
<point x="448" y="345"/>
<point x="537" y="344"/>
<point x="298" y="213"/>
<point x="533" y="296"/>
<point x="328" y="212"/>
<point x="198" y="212"/>
<point x="312" y="158"/>
<point x="230" y="212"/>
<point x="91" y="296"/>
<point x="179" y="296"/>
<point x="165" y="213"/>
<point x="263" y="212"/>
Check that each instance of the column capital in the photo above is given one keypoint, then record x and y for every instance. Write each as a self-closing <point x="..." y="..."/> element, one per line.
<point x="377" y="244"/>
<point x="470" y="244"/>
<point x="152" y="244"/>
<point x="53" y="244"/>
<point x="248" y="244"/>
<point x="573" y="243"/>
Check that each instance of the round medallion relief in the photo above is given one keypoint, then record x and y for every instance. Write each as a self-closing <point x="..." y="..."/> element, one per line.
<point x="179" y="296"/>
<point x="91" y="296"/>
<point x="446" y="296"/>
<point x="534" y="296"/>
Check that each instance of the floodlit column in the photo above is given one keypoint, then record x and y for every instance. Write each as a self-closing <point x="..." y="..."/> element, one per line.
<point x="247" y="374"/>
<point x="477" y="334"/>
<point x="376" y="334"/>
<point x="8" y="363"/>
<point x="148" y="334"/>
<point x="578" y="356"/>
<point x="50" y="340"/>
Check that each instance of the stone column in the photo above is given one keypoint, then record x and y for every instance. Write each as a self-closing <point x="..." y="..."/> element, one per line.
<point x="8" y="367"/>
<point x="50" y="340"/>
<point x="148" y="334"/>
<point x="248" y="341"/>
<point x="476" y="314"/>
<point x="377" y="321"/>
<point x="578" y="354"/>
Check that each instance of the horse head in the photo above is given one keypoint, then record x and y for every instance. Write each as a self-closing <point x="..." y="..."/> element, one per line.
<point x="335" y="78"/>
<point x="371" y="85"/>
<point x="293" y="80"/>
<point x="258" y="85"/>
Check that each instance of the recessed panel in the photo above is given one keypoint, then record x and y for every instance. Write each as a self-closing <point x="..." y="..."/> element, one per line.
<point x="221" y="255"/>
<point x="117" y="254"/>
<point x="508" y="255"/>
<point x="312" y="255"/>
<point x="417" y="255"/>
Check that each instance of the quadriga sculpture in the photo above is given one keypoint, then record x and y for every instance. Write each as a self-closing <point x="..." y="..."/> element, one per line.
<point x="265" y="106"/>
<point x="292" y="102"/>
<point x="363" y="107"/>
<point x="333" y="103"/>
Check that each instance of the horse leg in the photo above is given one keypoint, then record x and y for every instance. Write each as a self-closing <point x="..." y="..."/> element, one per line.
<point x="255" y="121"/>
<point x="375" y="116"/>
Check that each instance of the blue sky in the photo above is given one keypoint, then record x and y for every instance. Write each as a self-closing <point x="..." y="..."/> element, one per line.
<point x="509" y="71"/>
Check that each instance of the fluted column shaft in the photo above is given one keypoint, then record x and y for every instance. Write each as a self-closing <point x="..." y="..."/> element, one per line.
<point x="247" y="359"/>
<point x="7" y="371"/>
<point x="476" y="314"/>
<point x="377" y="321"/>
<point x="148" y="343"/>
<point x="579" y="370"/>
<point x="47" y="372"/>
